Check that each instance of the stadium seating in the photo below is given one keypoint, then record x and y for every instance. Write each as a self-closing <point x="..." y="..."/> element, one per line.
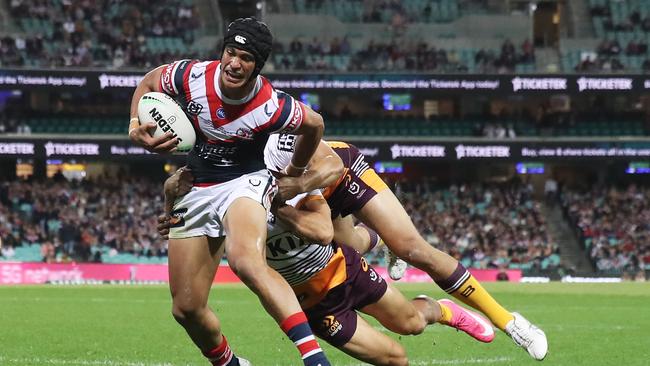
<point x="102" y="33"/>
<point x="110" y="235"/>
<point x="483" y="226"/>
<point x="612" y="224"/>
<point x="623" y="28"/>
<point x="381" y="11"/>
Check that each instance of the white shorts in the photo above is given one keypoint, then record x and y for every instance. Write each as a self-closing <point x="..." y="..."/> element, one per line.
<point x="202" y="210"/>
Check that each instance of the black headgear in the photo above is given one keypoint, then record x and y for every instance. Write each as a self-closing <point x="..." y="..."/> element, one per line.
<point x="250" y="35"/>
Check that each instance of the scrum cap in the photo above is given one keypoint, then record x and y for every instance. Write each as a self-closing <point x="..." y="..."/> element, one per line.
<point x="250" y="35"/>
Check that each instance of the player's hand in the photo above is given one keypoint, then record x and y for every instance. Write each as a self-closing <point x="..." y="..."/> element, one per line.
<point x="179" y="183"/>
<point x="164" y="223"/>
<point x="141" y="135"/>
<point x="289" y="187"/>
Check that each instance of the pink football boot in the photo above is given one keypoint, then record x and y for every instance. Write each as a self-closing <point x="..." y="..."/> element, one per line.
<point x="469" y="322"/>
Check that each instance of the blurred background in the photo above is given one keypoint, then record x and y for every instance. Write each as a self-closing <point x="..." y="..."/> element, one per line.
<point x="515" y="133"/>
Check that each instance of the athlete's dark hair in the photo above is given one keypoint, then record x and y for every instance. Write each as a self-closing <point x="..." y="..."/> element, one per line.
<point x="250" y="35"/>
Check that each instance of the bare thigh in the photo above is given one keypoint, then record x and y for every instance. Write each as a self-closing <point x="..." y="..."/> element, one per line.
<point x="385" y="214"/>
<point x="193" y="263"/>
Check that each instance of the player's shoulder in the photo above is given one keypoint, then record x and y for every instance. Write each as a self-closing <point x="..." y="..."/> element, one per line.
<point x="338" y="144"/>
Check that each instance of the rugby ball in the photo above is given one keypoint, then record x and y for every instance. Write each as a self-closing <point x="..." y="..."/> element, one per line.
<point x="161" y="109"/>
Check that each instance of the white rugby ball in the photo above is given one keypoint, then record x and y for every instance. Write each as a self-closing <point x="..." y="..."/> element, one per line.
<point x="161" y="109"/>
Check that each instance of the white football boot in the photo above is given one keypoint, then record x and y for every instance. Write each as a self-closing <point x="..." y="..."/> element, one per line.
<point x="244" y="362"/>
<point x="528" y="336"/>
<point x="396" y="266"/>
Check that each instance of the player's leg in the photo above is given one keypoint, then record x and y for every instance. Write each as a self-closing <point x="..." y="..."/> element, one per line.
<point x="193" y="263"/>
<point x="373" y="347"/>
<point x="384" y="214"/>
<point x="355" y="237"/>
<point x="363" y="239"/>
<point x="399" y="315"/>
<point x="245" y="224"/>
<point x="402" y="316"/>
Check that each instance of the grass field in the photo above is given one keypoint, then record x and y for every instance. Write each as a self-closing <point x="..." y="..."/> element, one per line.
<point x="586" y="324"/>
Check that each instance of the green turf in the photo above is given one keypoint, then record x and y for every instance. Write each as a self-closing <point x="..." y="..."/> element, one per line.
<point x="586" y="324"/>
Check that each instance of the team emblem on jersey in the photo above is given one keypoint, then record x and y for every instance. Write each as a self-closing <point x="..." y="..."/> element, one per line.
<point x="177" y="219"/>
<point x="221" y="113"/>
<point x="354" y="188"/>
<point x="240" y="39"/>
<point x="194" y="108"/>
<point x="331" y="325"/>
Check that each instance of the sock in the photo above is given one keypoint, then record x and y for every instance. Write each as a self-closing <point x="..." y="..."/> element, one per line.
<point x="298" y="330"/>
<point x="374" y="238"/>
<point x="222" y="355"/>
<point x="464" y="287"/>
<point x="445" y="314"/>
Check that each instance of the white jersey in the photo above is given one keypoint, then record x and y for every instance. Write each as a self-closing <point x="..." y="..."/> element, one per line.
<point x="231" y="134"/>
<point x="278" y="151"/>
<point x="295" y="258"/>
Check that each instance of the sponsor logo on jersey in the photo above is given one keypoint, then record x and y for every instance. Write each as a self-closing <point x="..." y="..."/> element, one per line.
<point x="244" y="133"/>
<point x="194" y="108"/>
<point x="331" y="325"/>
<point x="167" y="78"/>
<point x="282" y="244"/>
<point x="240" y="39"/>
<point x="221" y="113"/>
<point x="286" y="142"/>
<point x="266" y="110"/>
<point x="297" y="117"/>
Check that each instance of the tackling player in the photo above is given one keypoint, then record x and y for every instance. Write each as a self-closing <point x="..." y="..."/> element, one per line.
<point x="234" y="110"/>
<point x="361" y="192"/>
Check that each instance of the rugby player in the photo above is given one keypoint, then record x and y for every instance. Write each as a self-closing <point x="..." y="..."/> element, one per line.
<point x="234" y="110"/>
<point x="359" y="191"/>
<point x="333" y="282"/>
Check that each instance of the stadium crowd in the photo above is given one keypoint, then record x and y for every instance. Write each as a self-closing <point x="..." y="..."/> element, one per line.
<point x="482" y="225"/>
<point x="613" y="224"/>
<point x="91" y="220"/>
<point x="98" y="33"/>
<point x="75" y="220"/>
<point x="338" y="54"/>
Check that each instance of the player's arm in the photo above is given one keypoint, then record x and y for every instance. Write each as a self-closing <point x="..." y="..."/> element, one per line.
<point x="178" y="184"/>
<point x="141" y="134"/>
<point x="325" y="168"/>
<point x="310" y="131"/>
<point x="311" y="221"/>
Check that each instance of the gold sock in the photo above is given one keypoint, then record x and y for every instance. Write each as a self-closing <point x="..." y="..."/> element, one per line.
<point x="445" y="314"/>
<point x="473" y="294"/>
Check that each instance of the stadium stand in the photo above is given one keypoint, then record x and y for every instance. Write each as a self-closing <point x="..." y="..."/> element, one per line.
<point x="612" y="224"/>
<point x="483" y="225"/>
<point x="68" y="33"/>
<point x="622" y="30"/>
<point x="59" y="220"/>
